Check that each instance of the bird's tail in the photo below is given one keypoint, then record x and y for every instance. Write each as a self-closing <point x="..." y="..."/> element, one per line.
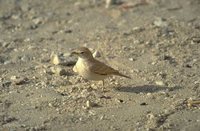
<point x="119" y="74"/>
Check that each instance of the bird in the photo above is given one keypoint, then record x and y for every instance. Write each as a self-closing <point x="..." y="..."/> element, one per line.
<point x="92" y="69"/>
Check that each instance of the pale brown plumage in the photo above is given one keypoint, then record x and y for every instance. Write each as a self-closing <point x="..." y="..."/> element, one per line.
<point x="102" y="69"/>
<point x="90" y="68"/>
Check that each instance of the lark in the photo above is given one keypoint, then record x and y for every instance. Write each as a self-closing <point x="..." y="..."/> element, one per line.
<point x="90" y="68"/>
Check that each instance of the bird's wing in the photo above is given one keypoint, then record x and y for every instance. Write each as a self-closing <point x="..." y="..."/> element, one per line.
<point x="102" y="69"/>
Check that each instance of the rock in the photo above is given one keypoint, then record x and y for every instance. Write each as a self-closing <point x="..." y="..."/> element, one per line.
<point x="126" y="48"/>
<point x="109" y="3"/>
<point x="90" y="104"/>
<point x="160" y="83"/>
<point x="102" y="117"/>
<point x="55" y="59"/>
<point x="160" y="22"/>
<point x="68" y="62"/>
<point x="25" y="58"/>
<point x="131" y="59"/>
<point x="3" y="59"/>
<point x="137" y="42"/>
<point x="58" y="71"/>
<point x="14" y="78"/>
<point x="96" y="54"/>
<point x="6" y="84"/>
<point x="67" y="59"/>
<point x="143" y="104"/>
<point x="138" y="29"/>
<point x="119" y="100"/>
<point x="38" y="20"/>
<point x="149" y="94"/>
<point x="22" y="81"/>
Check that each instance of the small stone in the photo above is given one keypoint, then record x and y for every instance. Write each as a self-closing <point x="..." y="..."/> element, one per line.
<point x="143" y="104"/>
<point x="67" y="59"/>
<point x="50" y="105"/>
<point x="126" y="48"/>
<point x="137" y="42"/>
<point x="55" y="59"/>
<point x="67" y="54"/>
<point x="14" y="78"/>
<point x="27" y="40"/>
<point x="138" y="29"/>
<point x="160" y="83"/>
<point x="131" y="59"/>
<point x="22" y="81"/>
<point x="90" y="104"/>
<point x="37" y="21"/>
<point x="15" y="17"/>
<point x="119" y="100"/>
<point x="149" y="94"/>
<point x="160" y="22"/>
<point x="102" y="117"/>
<point x="136" y="70"/>
<point x="6" y="84"/>
<point x="109" y="3"/>
<point x="58" y="71"/>
<point x="150" y="116"/>
<point x="96" y="54"/>
<point x="25" y="58"/>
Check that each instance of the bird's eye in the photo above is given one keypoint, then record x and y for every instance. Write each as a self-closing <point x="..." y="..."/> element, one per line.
<point x="82" y="52"/>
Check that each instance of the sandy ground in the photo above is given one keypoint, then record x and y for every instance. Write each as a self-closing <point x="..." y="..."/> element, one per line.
<point x="156" y="42"/>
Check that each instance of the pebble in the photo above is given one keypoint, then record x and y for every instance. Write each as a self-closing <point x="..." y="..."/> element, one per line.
<point x="109" y="3"/>
<point x="22" y="81"/>
<point x="58" y="71"/>
<point x="3" y="59"/>
<point x="149" y="94"/>
<point x="102" y="117"/>
<point x="196" y="39"/>
<point x="50" y="105"/>
<point x="119" y="100"/>
<point x="138" y="29"/>
<point x="160" y="22"/>
<point x="137" y="42"/>
<point x="37" y="21"/>
<point x="14" y="78"/>
<point x="126" y="48"/>
<point x="131" y="59"/>
<point x="55" y="59"/>
<point x="160" y="83"/>
<point x="150" y="116"/>
<point x="96" y="54"/>
<point x="25" y="58"/>
<point x="6" y="84"/>
<point x="143" y="104"/>
<point x="90" y="104"/>
<point x="67" y="59"/>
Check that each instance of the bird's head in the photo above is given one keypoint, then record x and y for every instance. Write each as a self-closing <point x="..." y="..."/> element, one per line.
<point x="82" y="52"/>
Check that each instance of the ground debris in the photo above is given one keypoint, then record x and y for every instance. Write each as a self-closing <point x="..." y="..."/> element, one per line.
<point x="21" y="81"/>
<point x="193" y="103"/>
<point x="58" y="71"/>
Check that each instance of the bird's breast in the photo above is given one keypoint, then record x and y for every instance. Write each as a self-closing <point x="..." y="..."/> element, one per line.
<point x="82" y="68"/>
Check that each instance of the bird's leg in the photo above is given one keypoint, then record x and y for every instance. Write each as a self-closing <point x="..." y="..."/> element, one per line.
<point x="103" y="83"/>
<point x="103" y="89"/>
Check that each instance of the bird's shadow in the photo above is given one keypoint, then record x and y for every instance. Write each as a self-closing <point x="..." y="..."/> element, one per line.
<point x="146" y="88"/>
